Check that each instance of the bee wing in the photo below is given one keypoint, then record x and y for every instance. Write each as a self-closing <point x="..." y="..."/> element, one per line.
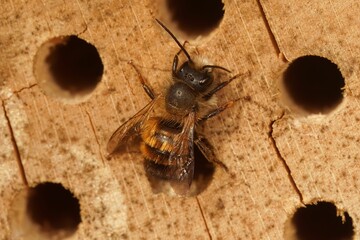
<point x="130" y="129"/>
<point x="183" y="156"/>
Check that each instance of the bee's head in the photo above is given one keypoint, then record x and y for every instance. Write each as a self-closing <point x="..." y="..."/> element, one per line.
<point x="197" y="79"/>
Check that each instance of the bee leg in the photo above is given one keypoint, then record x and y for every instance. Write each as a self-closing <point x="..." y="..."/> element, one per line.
<point x="218" y="110"/>
<point x="148" y="89"/>
<point x="176" y="60"/>
<point x="208" y="151"/>
<point x="175" y="64"/>
<point x="220" y="86"/>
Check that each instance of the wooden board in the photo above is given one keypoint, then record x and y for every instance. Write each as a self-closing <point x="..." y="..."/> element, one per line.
<point x="65" y="142"/>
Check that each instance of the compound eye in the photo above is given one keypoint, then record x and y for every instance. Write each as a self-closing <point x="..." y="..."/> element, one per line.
<point x="204" y="80"/>
<point x="203" y="83"/>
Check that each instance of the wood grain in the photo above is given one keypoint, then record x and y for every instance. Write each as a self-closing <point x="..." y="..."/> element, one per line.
<point x="65" y="143"/>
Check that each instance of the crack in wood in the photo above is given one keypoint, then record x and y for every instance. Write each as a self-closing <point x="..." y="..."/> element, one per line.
<point x="283" y="161"/>
<point x="203" y="216"/>
<point x="96" y="137"/>
<point x="280" y="54"/>
<point x="25" y="88"/>
<point x="15" y="146"/>
<point x="19" y="91"/>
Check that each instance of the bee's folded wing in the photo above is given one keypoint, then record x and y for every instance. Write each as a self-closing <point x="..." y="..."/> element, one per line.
<point x="130" y="129"/>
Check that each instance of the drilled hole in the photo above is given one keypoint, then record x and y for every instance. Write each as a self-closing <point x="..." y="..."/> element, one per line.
<point x="203" y="173"/>
<point x="75" y="65"/>
<point x="322" y="221"/>
<point x="68" y="67"/>
<point x="196" y="17"/>
<point x="53" y="208"/>
<point x="314" y="83"/>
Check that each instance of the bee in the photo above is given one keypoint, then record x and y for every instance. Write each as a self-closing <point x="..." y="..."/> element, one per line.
<point x="168" y="138"/>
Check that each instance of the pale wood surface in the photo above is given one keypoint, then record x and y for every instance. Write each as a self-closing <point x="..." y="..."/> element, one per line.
<point x="66" y="143"/>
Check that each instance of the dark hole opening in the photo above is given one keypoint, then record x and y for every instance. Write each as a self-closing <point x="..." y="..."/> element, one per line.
<point x="53" y="207"/>
<point x="203" y="173"/>
<point x="314" y="83"/>
<point x="75" y="65"/>
<point x="320" y="222"/>
<point x="196" y="17"/>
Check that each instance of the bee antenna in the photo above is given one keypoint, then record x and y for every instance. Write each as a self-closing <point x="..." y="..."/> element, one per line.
<point x="216" y="66"/>
<point x="175" y="39"/>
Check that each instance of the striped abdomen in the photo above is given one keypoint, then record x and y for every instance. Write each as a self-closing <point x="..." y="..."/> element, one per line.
<point x="157" y="144"/>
